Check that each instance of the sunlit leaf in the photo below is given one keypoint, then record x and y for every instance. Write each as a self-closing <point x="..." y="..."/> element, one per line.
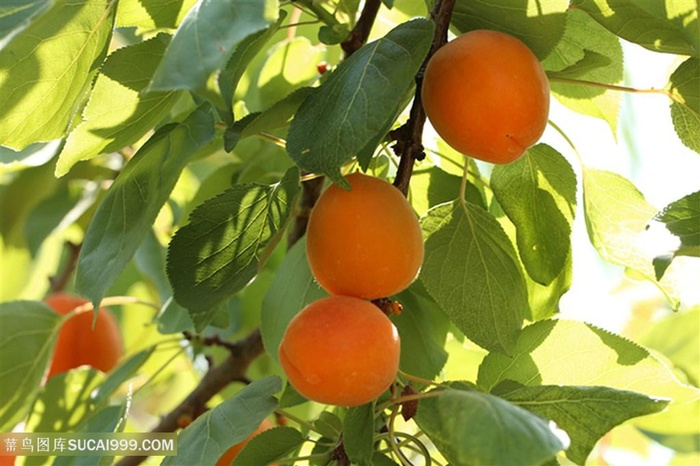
<point x="585" y="413"/>
<point x="50" y="65"/>
<point x="471" y="271"/>
<point x="227" y="239"/>
<point x="359" y="100"/>
<point x="65" y="401"/>
<point x="562" y="352"/>
<point x="528" y="21"/>
<point x="538" y="193"/>
<point x="28" y="331"/>
<point x="470" y="427"/>
<point x="682" y="218"/>
<point x="16" y="15"/>
<point x="616" y="216"/>
<point x="587" y="53"/>
<point x="229" y="423"/>
<point x="685" y="108"/>
<point x="117" y="115"/>
<point x="663" y="26"/>
<point x="126" y="214"/>
<point x="152" y="14"/>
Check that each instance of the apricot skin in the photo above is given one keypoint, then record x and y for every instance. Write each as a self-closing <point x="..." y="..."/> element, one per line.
<point x="486" y="95"/>
<point x="340" y="350"/>
<point x="78" y="343"/>
<point x="365" y="242"/>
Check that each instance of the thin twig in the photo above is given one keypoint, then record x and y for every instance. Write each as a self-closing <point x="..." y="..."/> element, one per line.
<point x="409" y="145"/>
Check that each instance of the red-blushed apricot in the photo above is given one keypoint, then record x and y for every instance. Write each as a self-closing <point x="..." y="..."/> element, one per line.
<point x="340" y="350"/>
<point x="365" y="242"/>
<point x="486" y="95"/>
<point x="6" y="460"/>
<point x="79" y="343"/>
<point x="230" y="454"/>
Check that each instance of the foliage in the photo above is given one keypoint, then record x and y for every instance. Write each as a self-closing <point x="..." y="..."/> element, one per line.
<point x="162" y="157"/>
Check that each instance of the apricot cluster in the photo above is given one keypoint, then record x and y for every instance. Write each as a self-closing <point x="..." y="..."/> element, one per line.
<point x="362" y="244"/>
<point x="486" y="95"/>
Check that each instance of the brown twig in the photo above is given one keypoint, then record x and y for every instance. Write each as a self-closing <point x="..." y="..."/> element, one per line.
<point x="409" y="145"/>
<point x="234" y="368"/>
<point x="59" y="282"/>
<point x="362" y="28"/>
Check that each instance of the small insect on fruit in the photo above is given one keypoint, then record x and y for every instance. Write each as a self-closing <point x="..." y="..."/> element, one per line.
<point x="340" y="350"/>
<point x="486" y="95"/>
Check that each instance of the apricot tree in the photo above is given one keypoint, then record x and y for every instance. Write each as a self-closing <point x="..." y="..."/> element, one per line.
<point x="501" y="264"/>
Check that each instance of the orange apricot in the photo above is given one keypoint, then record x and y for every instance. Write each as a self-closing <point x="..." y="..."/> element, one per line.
<point x="365" y="242"/>
<point x="7" y="460"/>
<point x="486" y="95"/>
<point x="340" y="350"/>
<point x="79" y="343"/>
<point x="229" y="455"/>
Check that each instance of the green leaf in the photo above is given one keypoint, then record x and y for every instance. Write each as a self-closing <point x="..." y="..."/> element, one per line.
<point x="117" y="115"/>
<point x="544" y="300"/>
<point x="241" y="58"/>
<point x="227" y="239"/>
<point x="358" y="434"/>
<point x="16" y="15"/>
<point x="616" y="216"/>
<point x="132" y="203"/>
<point x="662" y="26"/>
<point x="65" y="401"/>
<point x="289" y="65"/>
<point x="538" y="193"/>
<point x="358" y="101"/>
<point x="48" y="68"/>
<point x="292" y="288"/>
<point x="685" y="107"/>
<point x="587" y="52"/>
<point x="33" y="155"/>
<point x="106" y="420"/>
<point x="471" y="271"/>
<point x="277" y="116"/>
<point x="561" y="352"/>
<point x="329" y="425"/>
<point x="682" y="218"/>
<point x="125" y="371"/>
<point x="425" y="326"/>
<point x="470" y="427"/>
<point x="683" y="348"/>
<point x="206" y="39"/>
<point x="585" y="413"/>
<point x="28" y="331"/>
<point x="152" y="14"/>
<point x="269" y="446"/>
<point x="229" y="423"/>
<point x="523" y="20"/>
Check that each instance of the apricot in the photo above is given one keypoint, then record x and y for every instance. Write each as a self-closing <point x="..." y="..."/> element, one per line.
<point x="229" y="455"/>
<point x="486" y="95"/>
<point x="79" y="343"/>
<point x="365" y="242"/>
<point x="340" y="350"/>
<point x="6" y="460"/>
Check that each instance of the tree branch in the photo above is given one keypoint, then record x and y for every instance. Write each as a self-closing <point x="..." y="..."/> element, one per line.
<point x="246" y="350"/>
<point x="409" y="138"/>
<point x="234" y="368"/>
